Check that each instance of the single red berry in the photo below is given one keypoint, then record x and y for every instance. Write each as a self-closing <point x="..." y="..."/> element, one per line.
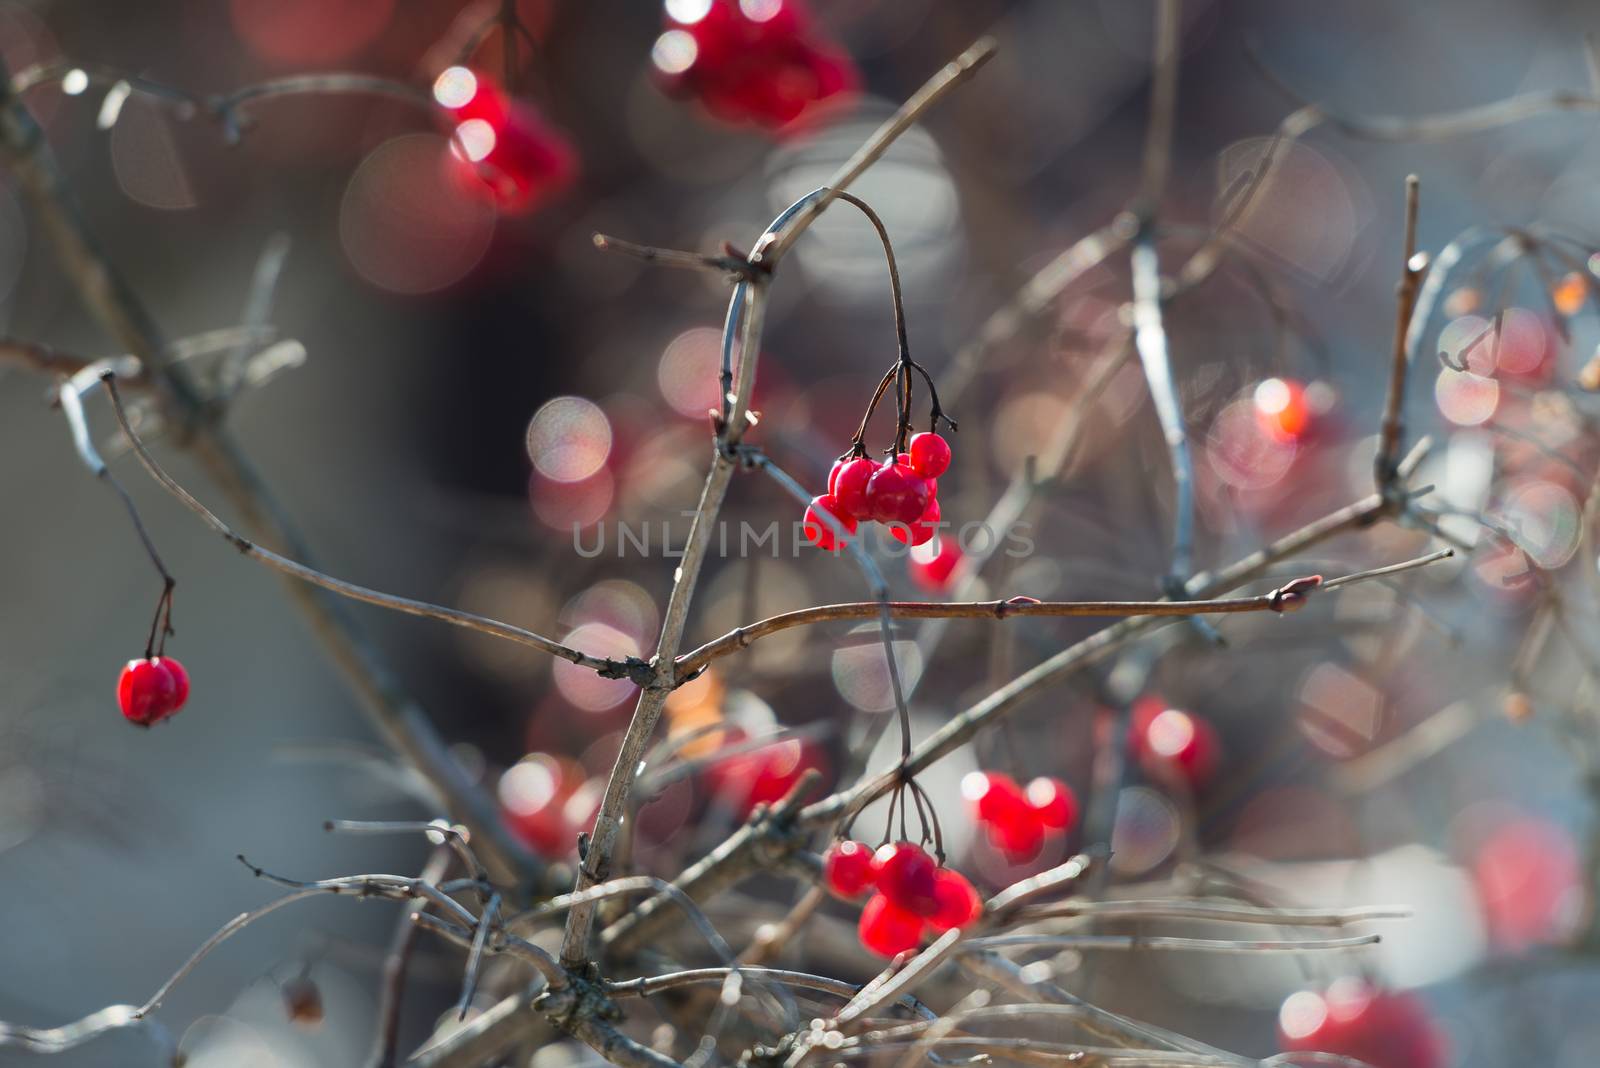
<point x="817" y="529"/>
<point x="904" y="460"/>
<point x="469" y="94"/>
<point x="847" y="869"/>
<point x="887" y="929"/>
<point x="1385" y="1029"/>
<point x="906" y="877"/>
<point x="897" y="494"/>
<point x="850" y="488"/>
<point x="930" y="454"/>
<point x="1181" y="745"/>
<point x="932" y="565"/>
<point x="180" y="682"/>
<point x="833" y="477"/>
<point x="959" y="903"/>
<point x="923" y="530"/>
<point x="533" y="794"/>
<point x="146" y="691"/>
<point x="761" y="776"/>
<point x="1054" y="802"/>
<point x="520" y="161"/>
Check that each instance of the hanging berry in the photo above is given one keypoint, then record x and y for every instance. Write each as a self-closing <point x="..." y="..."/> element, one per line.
<point x="1018" y="821"/>
<point x="502" y="147"/>
<point x="151" y="689"/>
<point x="915" y="899"/>
<point x="759" y="62"/>
<point x="848" y="870"/>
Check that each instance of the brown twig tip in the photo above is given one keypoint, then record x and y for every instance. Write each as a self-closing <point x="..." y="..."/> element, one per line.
<point x="1291" y="596"/>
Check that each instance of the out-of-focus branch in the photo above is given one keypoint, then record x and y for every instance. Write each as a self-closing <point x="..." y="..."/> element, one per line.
<point x="633" y="669"/>
<point x="1412" y="267"/>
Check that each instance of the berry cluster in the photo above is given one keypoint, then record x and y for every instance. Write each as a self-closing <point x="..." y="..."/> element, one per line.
<point x="903" y="493"/>
<point x="502" y="147"/>
<point x="756" y="61"/>
<point x="151" y="689"/>
<point x="914" y="896"/>
<point x="1016" y="820"/>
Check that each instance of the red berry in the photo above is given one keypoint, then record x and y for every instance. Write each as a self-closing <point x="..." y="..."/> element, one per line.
<point x="932" y="566"/>
<point x="762" y="775"/>
<point x="1283" y="409"/>
<point x="923" y="530"/>
<point x="1179" y="745"/>
<point x="833" y="477"/>
<point x="897" y="494"/>
<point x="1352" y="1019"/>
<point x="847" y="869"/>
<point x="1001" y="806"/>
<point x="887" y="929"/>
<point x="533" y="795"/>
<point x="146" y="691"/>
<point x="850" y="488"/>
<point x="1054" y="802"/>
<point x="180" y="681"/>
<point x="906" y="876"/>
<point x="930" y="455"/>
<point x="484" y="98"/>
<point x="959" y="903"/>
<point x="904" y="460"/>
<point x="818" y="531"/>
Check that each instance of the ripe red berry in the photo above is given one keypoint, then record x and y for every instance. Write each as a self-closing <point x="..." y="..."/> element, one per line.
<point x="931" y="566"/>
<point x="897" y="494"/>
<point x="906" y="876"/>
<point x="959" y="903"/>
<point x="760" y="776"/>
<point x="904" y="460"/>
<point x="1179" y="745"/>
<point x="1385" y="1029"/>
<point x="146" y="691"/>
<point x="923" y="530"/>
<point x="930" y="454"/>
<point x="180" y="681"/>
<point x="887" y="929"/>
<point x="850" y="487"/>
<point x="519" y="161"/>
<point x="533" y="795"/>
<point x="817" y="529"/>
<point x="1002" y="808"/>
<point x="847" y="869"/>
<point x="1053" y="801"/>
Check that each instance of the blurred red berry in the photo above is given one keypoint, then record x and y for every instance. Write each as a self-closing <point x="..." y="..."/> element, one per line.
<point x="930" y="455"/>
<point x="959" y="903"/>
<point x="931" y="570"/>
<point x="887" y="929"/>
<point x="817" y="529"/>
<point x="906" y="876"/>
<point x="762" y="775"/>
<point x="847" y="869"/>
<point x="1353" y="1019"/>
<point x="180" y="681"/>
<point x="1179" y="745"/>
<point x="1053" y="802"/>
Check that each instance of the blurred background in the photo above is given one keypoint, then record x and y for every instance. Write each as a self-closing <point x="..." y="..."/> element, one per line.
<point x="484" y="395"/>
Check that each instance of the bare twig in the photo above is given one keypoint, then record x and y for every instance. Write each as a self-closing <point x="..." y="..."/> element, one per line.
<point x="1413" y="267"/>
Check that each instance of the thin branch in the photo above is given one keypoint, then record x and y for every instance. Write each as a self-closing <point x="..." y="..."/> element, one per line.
<point x="405" y="605"/>
<point x="1014" y="607"/>
<point x="385" y="1046"/>
<point x="1163" y="105"/>
<point x="1412" y="268"/>
<point x="1150" y="338"/>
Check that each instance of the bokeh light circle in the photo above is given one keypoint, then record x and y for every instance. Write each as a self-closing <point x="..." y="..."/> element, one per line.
<point x="404" y="226"/>
<point x="1544" y="520"/>
<point x="689" y="369"/>
<point x="569" y="439"/>
<point x="1464" y="398"/>
<point x="581" y="685"/>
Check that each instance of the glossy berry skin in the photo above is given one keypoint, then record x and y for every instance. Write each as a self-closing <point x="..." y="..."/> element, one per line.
<point x="530" y="161"/>
<point x="1385" y="1029"/>
<point x="931" y="571"/>
<point x="930" y="454"/>
<point x="817" y="529"/>
<point x="1053" y="802"/>
<point x="850" y="487"/>
<point x="180" y="681"/>
<point x="897" y="494"/>
<point x="146" y="691"/>
<point x="904" y="460"/>
<point x="923" y="530"/>
<point x="887" y="929"/>
<point x="959" y="903"/>
<point x="907" y="877"/>
<point x="847" y="869"/>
